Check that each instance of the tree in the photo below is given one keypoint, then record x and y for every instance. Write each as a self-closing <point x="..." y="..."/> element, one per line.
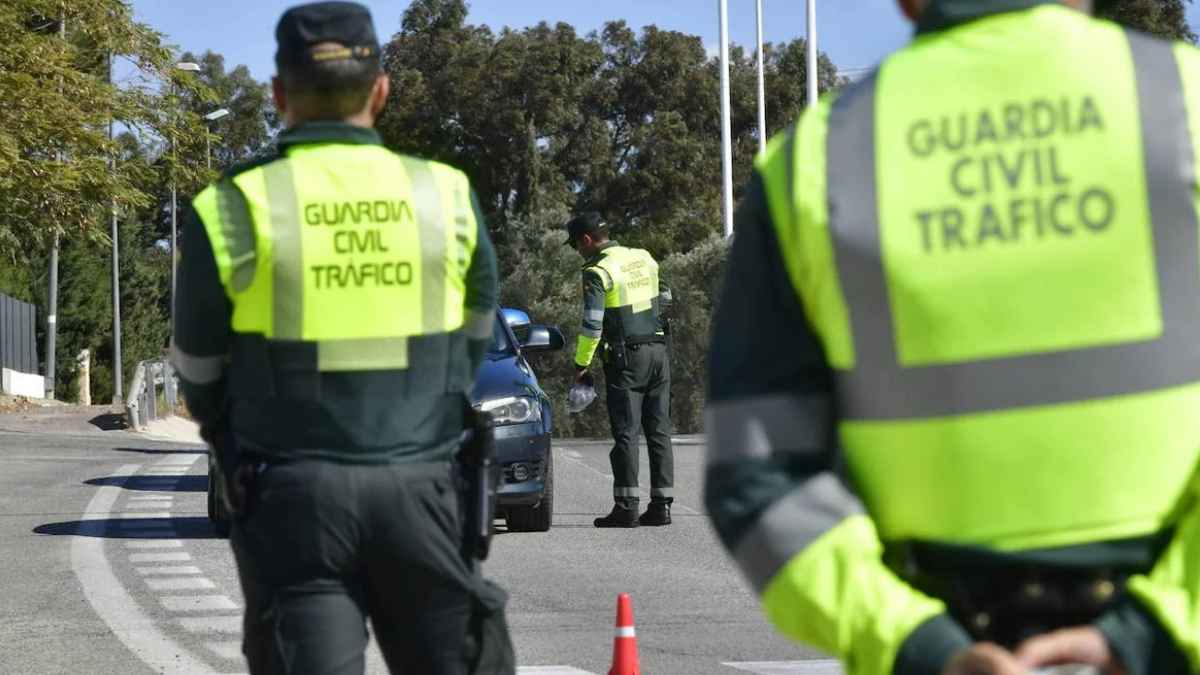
<point x="1165" y="18"/>
<point x="55" y="177"/>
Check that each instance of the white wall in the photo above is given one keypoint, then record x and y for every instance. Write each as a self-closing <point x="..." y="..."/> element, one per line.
<point x="14" y="383"/>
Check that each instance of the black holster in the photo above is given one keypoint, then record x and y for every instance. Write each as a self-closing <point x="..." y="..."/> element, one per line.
<point x="479" y="480"/>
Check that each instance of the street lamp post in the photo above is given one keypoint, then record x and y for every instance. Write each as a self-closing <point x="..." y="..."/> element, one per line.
<point x="812" y="52"/>
<point x="762" y="96"/>
<point x="726" y="134"/>
<point x="211" y="117"/>
<point x="192" y="68"/>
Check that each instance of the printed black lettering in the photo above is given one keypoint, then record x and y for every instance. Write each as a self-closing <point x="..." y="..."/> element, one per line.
<point x="381" y="212"/>
<point x="403" y="273"/>
<point x="921" y="140"/>
<point x="340" y="245"/>
<point x="1056" y="174"/>
<point x="1097" y="209"/>
<point x="1017" y="217"/>
<point x="312" y="214"/>
<point x="1089" y="116"/>
<point x="367" y="271"/>
<point x="954" y="142"/>
<point x="952" y="222"/>
<point x="1059" y="200"/>
<point x="363" y="213"/>
<point x="985" y="131"/>
<point x="1014" y="122"/>
<point x="989" y="226"/>
<point x="956" y="178"/>
<point x="1012" y="174"/>
<point x="925" y="217"/>
<point x="1044" y="118"/>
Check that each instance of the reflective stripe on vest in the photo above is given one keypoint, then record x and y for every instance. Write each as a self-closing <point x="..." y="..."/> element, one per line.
<point x="351" y="247"/>
<point x="879" y="387"/>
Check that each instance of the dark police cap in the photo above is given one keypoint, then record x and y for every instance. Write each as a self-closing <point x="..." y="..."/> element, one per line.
<point x="345" y="23"/>
<point x="585" y="223"/>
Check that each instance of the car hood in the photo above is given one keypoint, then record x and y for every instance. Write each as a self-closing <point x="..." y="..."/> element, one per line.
<point x="503" y="376"/>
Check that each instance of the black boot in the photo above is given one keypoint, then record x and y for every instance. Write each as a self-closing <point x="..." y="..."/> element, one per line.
<point x="618" y="517"/>
<point x="658" y="513"/>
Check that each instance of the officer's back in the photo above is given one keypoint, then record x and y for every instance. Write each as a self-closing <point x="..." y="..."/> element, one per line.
<point x="974" y="281"/>
<point x="335" y="300"/>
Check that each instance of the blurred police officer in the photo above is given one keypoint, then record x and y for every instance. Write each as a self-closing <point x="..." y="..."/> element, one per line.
<point x="335" y="300"/>
<point x="623" y="305"/>
<point x="955" y="371"/>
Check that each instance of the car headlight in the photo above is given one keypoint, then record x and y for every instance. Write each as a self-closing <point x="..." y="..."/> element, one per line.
<point x="513" y="409"/>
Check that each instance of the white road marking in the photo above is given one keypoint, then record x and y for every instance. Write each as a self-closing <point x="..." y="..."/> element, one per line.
<point x="815" y="667"/>
<point x="197" y="603"/>
<point x="229" y="649"/>
<point x="143" y="515"/>
<point x="552" y="670"/>
<point x="212" y="624"/>
<point x="113" y="604"/>
<point x="164" y="505"/>
<point x="145" y="498"/>
<point x="169" y="569"/>
<point x="574" y="454"/>
<point x="155" y="543"/>
<point x="158" y="557"/>
<point x="176" y="460"/>
<point x="180" y="584"/>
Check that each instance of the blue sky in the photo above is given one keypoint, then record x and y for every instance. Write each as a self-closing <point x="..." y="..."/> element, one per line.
<point x="855" y="33"/>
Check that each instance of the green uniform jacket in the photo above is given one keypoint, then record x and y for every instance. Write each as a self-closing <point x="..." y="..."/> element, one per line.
<point x="359" y="415"/>
<point x="961" y="308"/>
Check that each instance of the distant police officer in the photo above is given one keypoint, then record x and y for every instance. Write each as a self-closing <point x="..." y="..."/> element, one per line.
<point x="955" y="372"/>
<point x="334" y="302"/>
<point x="623" y="305"/>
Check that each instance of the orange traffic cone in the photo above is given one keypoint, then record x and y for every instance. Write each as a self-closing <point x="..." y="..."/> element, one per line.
<point x="625" y="655"/>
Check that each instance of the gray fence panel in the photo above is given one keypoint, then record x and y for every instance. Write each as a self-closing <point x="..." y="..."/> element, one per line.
<point x="18" y="350"/>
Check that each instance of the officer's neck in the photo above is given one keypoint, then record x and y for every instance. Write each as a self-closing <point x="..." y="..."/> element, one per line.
<point x="362" y="119"/>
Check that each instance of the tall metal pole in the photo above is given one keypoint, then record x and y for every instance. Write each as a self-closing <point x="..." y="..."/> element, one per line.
<point x="812" y="52"/>
<point x="762" y="95"/>
<point x="52" y="300"/>
<point x="118" y="367"/>
<point x="726" y="134"/>
<point x="174" y="225"/>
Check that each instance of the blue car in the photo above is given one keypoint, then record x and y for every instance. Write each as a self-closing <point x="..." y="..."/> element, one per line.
<point x="507" y="388"/>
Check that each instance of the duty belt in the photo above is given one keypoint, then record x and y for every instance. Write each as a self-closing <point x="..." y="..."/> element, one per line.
<point x="1006" y="601"/>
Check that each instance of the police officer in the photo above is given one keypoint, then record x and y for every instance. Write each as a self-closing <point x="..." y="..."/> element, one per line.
<point x="955" y="369"/>
<point x="334" y="302"/>
<point x="623" y="305"/>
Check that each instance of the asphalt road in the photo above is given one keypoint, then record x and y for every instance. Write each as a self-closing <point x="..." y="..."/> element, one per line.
<point x="108" y="564"/>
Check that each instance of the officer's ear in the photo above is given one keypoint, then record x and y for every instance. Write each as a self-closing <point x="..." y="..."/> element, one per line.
<point x="379" y="93"/>
<point x="279" y="95"/>
<point x="912" y="8"/>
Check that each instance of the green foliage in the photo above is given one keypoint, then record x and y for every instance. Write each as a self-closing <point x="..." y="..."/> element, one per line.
<point x="1165" y="18"/>
<point x="542" y="118"/>
<point x="55" y="173"/>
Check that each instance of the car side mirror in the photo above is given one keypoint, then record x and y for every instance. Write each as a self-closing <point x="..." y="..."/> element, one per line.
<point x="543" y="339"/>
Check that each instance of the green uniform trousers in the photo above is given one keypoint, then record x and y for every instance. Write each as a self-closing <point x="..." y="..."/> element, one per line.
<point x="325" y="545"/>
<point x="639" y="395"/>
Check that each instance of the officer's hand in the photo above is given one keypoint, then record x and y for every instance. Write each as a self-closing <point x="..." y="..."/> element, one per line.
<point x="238" y="487"/>
<point x="1082" y="645"/>
<point x="984" y="658"/>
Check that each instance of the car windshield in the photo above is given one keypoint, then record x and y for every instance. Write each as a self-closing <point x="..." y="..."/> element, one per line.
<point x="501" y="344"/>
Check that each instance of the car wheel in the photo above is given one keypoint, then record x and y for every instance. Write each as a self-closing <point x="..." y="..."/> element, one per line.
<point x="216" y="505"/>
<point x="535" y="518"/>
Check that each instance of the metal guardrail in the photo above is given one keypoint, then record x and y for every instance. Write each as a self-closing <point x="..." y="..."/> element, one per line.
<point x="141" y="403"/>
